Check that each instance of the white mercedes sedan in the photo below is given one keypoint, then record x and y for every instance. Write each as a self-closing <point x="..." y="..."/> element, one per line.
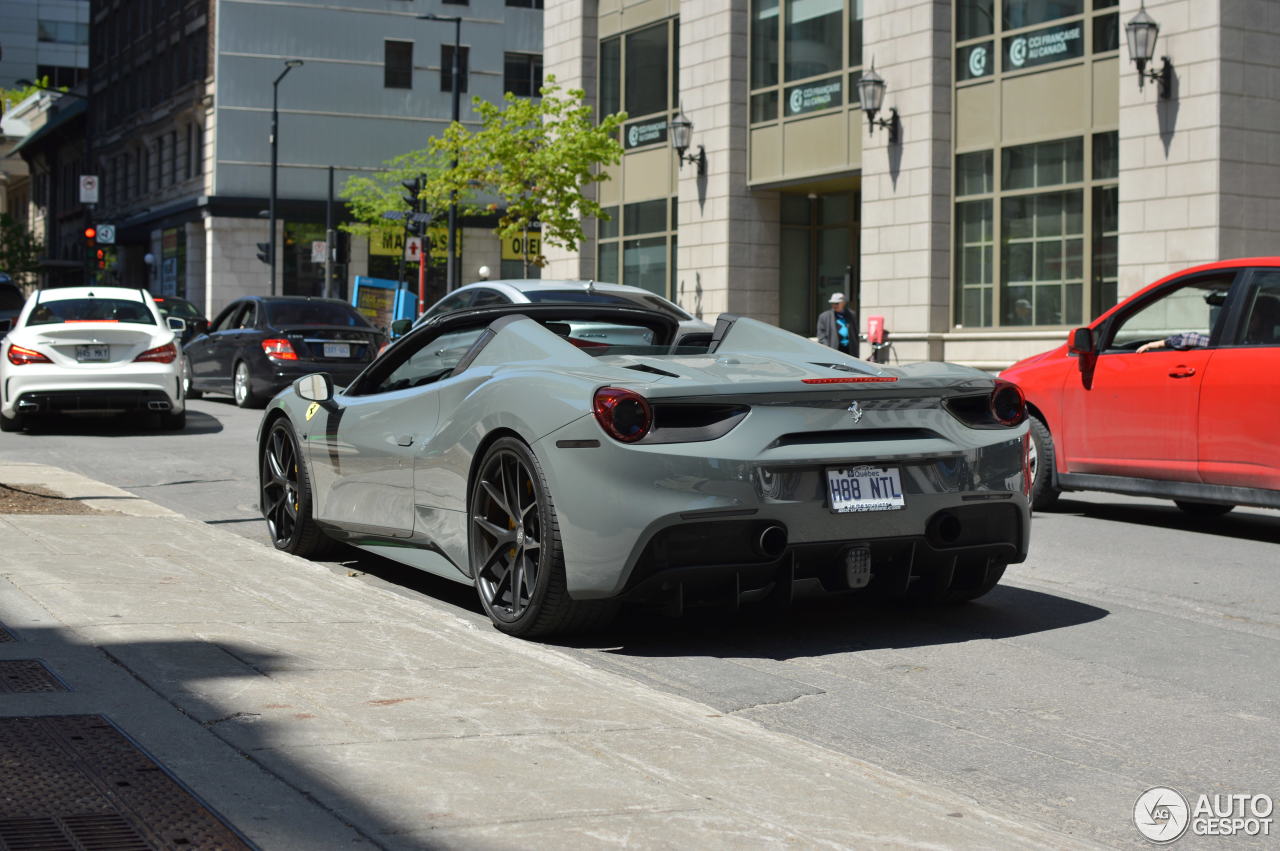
<point x="90" y="350"/>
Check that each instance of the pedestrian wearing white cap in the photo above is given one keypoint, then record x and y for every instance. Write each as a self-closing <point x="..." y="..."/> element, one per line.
<point x="836" y="327"/>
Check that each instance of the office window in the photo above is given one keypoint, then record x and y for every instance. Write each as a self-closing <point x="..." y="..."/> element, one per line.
<point x="637" y="245"/>
<point x="610" y="76"/>
<point x="813" y="38"/>
<point x="62" y="32"/>
<point x="522" y="74"/>
<point x="446" y="67"/>
<point x="1026" y="13"/>
<point x="647" y="64"/>
<point x="397" y="72"/>
<point x="794" y="41"/>
<point x="524" y="4"/>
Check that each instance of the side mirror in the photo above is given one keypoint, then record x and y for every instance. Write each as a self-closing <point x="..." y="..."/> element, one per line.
<point x="201" y="325"/>
<point x="400" y="327"/>
<point x="316" y="387"/>
<point x="177" y="324"/>
<point x="1081" y="342"/>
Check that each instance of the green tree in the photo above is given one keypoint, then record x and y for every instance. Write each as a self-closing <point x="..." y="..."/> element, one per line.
<point x="13" y="97"/>
<point x="530" y="159"/>
<point x="19" y="250"/>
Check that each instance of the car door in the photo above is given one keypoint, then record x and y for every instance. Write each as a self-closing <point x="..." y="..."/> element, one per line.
<point x="1135" y="413"/>
<point x="363" y="459"/>
<point x="203" y="352"/>
<point x="234" y="344"/>
<point x="1240" y="397"/>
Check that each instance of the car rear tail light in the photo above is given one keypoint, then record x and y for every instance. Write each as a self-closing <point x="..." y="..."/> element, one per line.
<point x="1008" y="406"/>
<point x="167" y="353"/>
<point x="625" y="415"/>
<point x="18" y="356"/>
<point x="279" y="349"/>
<point x="852" y="379"/>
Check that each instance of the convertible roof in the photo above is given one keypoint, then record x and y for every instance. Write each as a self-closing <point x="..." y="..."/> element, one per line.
<point x="655" y="319"/>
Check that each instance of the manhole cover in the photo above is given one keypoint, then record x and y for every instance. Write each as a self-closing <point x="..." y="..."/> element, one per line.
<point x="27" y="676"/>
<point x="77" y="782"/>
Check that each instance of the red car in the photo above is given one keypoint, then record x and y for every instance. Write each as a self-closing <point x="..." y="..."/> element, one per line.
<point x="1173" y="393"/>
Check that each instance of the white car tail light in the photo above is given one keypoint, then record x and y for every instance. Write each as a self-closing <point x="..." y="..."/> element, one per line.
<point x="18" y="356"/>
<point x="167" y="353"/>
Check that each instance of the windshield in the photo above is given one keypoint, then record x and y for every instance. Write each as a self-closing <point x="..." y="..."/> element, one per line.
<point x="286" y="313"/>
<point x="652" y="302"/>
<point x="90" y="310"/>
<point x="179" y="307"/>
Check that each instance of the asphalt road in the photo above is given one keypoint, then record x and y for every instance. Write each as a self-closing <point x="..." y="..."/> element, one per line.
<point x="1137" y="647"/>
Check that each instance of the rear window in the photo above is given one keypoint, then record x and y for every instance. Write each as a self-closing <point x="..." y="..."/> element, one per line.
<point x="181" y="308"/>
<point x="284" y="314"/>
<point x="652" y="302"/>
<point x="90" y="310"/>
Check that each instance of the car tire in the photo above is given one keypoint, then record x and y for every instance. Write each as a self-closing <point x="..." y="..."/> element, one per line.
<point x="1203" y="509"/>
<point x="242" y="387"/>
<point x="188" y="389"/>
<point x="173" y="422"/>
<point x="1044" y="495"/>
<point x="11" y="423"/>
<point x="501" y="559"/>
<point x="284" y="495"/>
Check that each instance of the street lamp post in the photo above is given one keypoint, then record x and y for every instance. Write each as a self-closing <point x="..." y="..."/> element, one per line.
<point x="289" y="65"/>
<point x="455" y="81"/>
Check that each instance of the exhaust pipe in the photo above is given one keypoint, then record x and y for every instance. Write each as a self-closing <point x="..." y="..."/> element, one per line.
<point x="772" y="542"/>
<point x="28" y="407"/>
<point x="158" y="406"/>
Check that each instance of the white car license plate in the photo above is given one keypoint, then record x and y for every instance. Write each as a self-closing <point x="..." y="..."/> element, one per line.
<point x="337" y="350"/>
<point x="865" y="489"/>
<point x="92" y="354"/>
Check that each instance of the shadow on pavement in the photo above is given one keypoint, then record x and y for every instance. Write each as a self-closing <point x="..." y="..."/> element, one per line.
<point x="122" y="425"/>
<point x="1243" y="525"/>
<point x="824" y="626"/>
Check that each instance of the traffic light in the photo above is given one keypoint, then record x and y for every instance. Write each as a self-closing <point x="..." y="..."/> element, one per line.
<point x="102" y="258"/>
<point x="264" y="252"/>
<point x="414" y="188"/>
<point x="90" y="236"/>
<point x="414" y="227"/>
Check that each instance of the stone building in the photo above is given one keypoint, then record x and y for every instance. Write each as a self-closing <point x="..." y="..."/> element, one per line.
<point x="1028" y="184"/>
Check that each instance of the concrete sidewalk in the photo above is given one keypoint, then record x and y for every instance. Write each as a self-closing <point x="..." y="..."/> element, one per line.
<point x="312" y="710"/>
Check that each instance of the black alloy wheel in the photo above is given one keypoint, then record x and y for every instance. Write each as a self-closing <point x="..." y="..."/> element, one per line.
<point x="285" y="495"/>
<point x="514" y="543"/>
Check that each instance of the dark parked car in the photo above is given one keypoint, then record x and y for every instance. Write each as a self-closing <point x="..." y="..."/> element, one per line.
<point x="11" y="302"/>
<point x="184" y="310"/>
<point x="258" y="345"/>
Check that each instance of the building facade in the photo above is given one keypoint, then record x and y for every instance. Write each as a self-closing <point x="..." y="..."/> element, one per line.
<point x="1029" y="182"/>
<point x="181" y="115"/>
<point x="44" y="39"/>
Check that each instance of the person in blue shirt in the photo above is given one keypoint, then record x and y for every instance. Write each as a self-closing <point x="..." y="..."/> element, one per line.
<point x="836" y="327"/>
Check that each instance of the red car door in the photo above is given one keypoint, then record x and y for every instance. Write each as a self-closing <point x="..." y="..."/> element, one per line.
<point x="1239" y="419"/>
<point x="1136" y="412"/>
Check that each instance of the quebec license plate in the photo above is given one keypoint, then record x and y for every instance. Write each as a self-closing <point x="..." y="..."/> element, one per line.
<point x="865" y="489"/>
<point x="92" y="354"/>
<point x="337" y="350"/>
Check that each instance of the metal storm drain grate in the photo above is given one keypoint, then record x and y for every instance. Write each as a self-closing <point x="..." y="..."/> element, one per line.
<point x="76" y="782"/>
<point x="27" y="676"/>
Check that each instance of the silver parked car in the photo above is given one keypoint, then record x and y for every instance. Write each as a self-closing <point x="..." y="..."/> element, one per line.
<point x="561" y="475"/>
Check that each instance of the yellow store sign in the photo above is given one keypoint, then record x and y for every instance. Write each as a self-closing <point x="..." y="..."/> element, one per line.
<point x="389" y="242"/>
<point x="521" y="247"/>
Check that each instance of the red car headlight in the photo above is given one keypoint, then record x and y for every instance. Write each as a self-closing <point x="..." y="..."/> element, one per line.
<point x="625" y="415"/>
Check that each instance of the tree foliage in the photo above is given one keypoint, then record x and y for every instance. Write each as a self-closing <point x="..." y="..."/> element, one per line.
<point x="531" y="161"/>
<point x="10" y="98"/>
<point x="19" y="250"/>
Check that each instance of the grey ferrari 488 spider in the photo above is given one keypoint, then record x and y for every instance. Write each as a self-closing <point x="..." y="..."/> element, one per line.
<point x="565" y="458"/>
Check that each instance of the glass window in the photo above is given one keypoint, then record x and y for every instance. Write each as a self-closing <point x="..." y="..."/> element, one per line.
<point x="855" y="34"/>
<point x="607" y="263"/>
<point x="644" y="263"/>
<point x="974" y="18"/>
<point x="644" y="217"/>
<point x="446" y="67"/>
<point x="1106" y="232"/>
<point x="1043" y="164"/>
<point x="794" y="297"/>
<point x="397" y="68"/>
<point x="1026" y="13"/>
<point x="1262" y="323"/>
<point x="1106" y="155"/>
<point x="1042" y="259"/>
<point x="1191" y="307"/>
<point x="973" y="259"/>
<point x="1106" y="33"/>
<point x="522" y="74"/>
<point x="282" y="314"/>
<point x="57" y="311"/>
<point x="813" y="39"/>
<point x="432" y="361"/>
<point x="973" y="173"/>
<point x="647" y="66"/>
<point x="764" y="43"/>
<point x="610" y="76"/>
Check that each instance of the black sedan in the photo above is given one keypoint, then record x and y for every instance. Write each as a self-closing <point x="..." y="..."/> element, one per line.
<point x="186" y="311"/>
<point x="258" y="345"/>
